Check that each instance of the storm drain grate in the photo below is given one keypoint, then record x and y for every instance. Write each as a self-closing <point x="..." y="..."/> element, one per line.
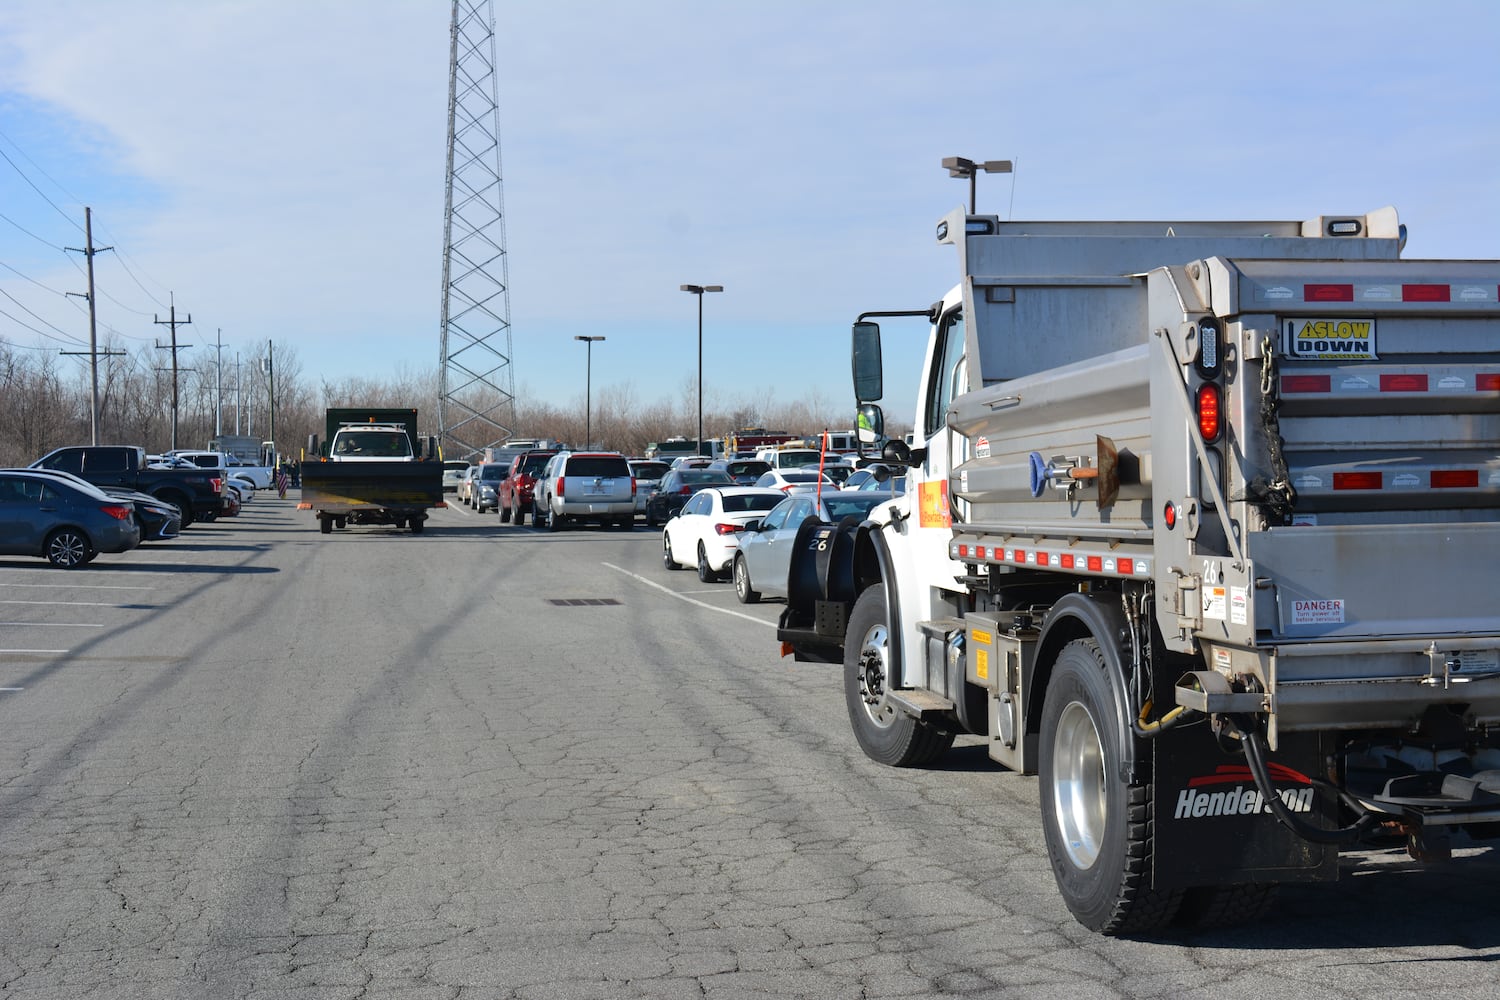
<point x="582" y="602"/>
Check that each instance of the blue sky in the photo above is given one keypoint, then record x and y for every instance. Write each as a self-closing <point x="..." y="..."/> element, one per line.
<point x="278" y="166"/>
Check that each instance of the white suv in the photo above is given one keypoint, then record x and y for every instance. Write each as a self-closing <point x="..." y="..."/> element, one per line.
<point x="585" y="486"/>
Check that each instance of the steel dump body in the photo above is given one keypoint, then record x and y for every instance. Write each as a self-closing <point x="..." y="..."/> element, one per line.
<point x="1352" y="606"/>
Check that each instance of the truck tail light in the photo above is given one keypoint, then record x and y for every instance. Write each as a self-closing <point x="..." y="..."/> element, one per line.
<point x="117" y="512"/>
<point x="218" y="484"/>
<point x="1209" y="411"/>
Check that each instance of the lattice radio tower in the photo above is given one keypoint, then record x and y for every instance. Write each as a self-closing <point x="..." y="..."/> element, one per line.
<point x="476" y="399"/>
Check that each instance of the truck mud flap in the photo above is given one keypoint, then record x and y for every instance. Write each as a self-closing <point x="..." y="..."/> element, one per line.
<point x="1212" y="824"/>
<point x="820" y="586"/>
<point x="348" y="485"/>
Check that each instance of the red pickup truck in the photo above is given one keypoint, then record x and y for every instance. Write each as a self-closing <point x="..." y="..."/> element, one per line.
<point x="516" y="488"/>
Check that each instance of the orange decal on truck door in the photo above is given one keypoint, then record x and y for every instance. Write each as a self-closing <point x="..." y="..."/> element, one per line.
<point x="933" y="505"/>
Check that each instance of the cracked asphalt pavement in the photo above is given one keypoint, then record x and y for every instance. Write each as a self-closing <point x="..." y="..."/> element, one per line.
<point x="491" y="762"/>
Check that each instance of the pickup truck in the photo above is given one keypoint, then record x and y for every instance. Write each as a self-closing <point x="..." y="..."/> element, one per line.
<point x="197" y="493"/>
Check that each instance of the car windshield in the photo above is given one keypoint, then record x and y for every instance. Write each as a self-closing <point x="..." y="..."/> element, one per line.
<point x="751" y="501"/>
<point x="494" y="473"/>
<point x="603" y="466"/>
<point x="797" y="459"/>
<point x="801" y="477"/>
<point x="373" y="443"/>
<point x="455" y="466"/>
<point x="702" y="476"/>
<point x="840" y="507"/>
<point x="649" y="470"/>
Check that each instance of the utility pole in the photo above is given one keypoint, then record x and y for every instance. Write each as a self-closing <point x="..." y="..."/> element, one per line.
<point x="174" y="347"/>
<point x="271" y="388"/>
<point x="218" y="382"/>
<point x="239" y="392"/>
<point x="88" y="252"/>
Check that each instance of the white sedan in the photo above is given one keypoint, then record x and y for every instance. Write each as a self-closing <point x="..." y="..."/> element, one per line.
<point x="706" y="532"/>
<point x="788" y="481"/>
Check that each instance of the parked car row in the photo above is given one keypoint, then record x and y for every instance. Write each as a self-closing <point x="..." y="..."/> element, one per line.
<point x="69" y="521"/>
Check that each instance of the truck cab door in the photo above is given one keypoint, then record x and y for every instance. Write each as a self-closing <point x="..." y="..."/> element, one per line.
<point x="928" y="482"/>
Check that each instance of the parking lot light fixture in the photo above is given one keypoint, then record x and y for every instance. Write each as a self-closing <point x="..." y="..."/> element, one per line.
<point x="958" y="166"/>
<point x="698" y="290"/>
<point x="588" y="380"/>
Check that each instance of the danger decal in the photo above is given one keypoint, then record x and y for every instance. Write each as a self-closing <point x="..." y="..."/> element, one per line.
<point x="1331" y="339"/>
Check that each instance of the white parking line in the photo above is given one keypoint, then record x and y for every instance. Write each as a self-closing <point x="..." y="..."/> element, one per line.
<point x="48" y="651"/>
<point x="75" y="586"/>
<point x="67" y="604"/>
<point x="52" y="624"/>
<point x="689" y="600"/>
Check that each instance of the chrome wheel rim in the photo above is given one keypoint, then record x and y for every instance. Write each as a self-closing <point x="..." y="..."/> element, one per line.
<point x="874" y="675"/>
<point x="1078" y="785"/>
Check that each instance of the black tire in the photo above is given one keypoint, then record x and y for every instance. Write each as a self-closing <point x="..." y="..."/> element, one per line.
<point x="885" y="733"/>
<point x="554" y="520"/>
<point x="504" y="513"/>
<point x="1098" y="828"/>
<point x="184" y="508"/>
<point x="518" y="516"/>
<point x="705" y="573"/>
<point x="651" y="520"/>
<point x="418" y="525"/>
<point x="626" y="523"/>
<point x="743" y="589"/>
<point x="325" y="525"/>
<point x="69" y="548"/>
<point x="666" y="553"/>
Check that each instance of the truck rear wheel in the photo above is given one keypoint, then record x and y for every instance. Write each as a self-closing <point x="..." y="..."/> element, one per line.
<point x="418" y="524"/>
<point x="325" y="525"/>
<point x="1098" y="828"/>
<point x="885" y="733"/>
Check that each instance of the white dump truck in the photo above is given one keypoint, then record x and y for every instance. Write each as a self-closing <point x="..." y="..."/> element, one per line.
<point x="1201" y="527"/>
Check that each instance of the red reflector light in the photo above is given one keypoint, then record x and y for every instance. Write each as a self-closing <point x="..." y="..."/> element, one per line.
<point x="1019" y="555"/>
<point x="1455" y="479"/>
<point x="1041" y="558"/>
<point x="1357" y="481"/>
<point x="1208" y="411"/>
<point x="1126" y="566"/>
<point x="1169" y="515"/>
<point x="1306" y="383"/>
<point x="1328" y="293"/>
<point x="1403" y="383"/>
<point x="1424" y="293"/>
<point x="1487" y="382"/>
<point x="1096" y="563"/>
<point x="1066" y="561"/>
<point x="979" y="552"/>
<point x="963" y="552"/>
<point x="117" y="512"/>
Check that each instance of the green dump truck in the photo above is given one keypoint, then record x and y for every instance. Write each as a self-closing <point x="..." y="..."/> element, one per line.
<point x="372" y="468"/>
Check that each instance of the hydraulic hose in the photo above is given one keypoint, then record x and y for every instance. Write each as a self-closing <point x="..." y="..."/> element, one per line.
<point x="1255" y="755"/>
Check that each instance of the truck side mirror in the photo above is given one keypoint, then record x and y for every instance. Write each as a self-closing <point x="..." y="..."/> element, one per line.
<point x="869" y="423"/>
<point x="868" y="378"/>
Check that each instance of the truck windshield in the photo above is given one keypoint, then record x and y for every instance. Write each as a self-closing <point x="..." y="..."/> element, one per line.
<point x="372" y="443"/>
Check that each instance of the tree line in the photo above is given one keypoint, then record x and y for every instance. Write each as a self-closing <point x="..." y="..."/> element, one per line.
<point x="45" y="403"/>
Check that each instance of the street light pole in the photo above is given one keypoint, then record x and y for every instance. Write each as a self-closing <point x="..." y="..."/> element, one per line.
<point x="698" y="290"/>
<point x="588" y="388"/>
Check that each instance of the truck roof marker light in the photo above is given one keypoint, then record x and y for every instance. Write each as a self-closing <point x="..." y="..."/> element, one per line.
<point x="1328" y="293"/>
<point x="1345" y="227"/>
<point x="1426" y="293"/>
<point x="1454" y="479"/>
<point x="1209" y="412"/>
<point x="1306" y="383"/>
<point x="1358" y="481"/>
